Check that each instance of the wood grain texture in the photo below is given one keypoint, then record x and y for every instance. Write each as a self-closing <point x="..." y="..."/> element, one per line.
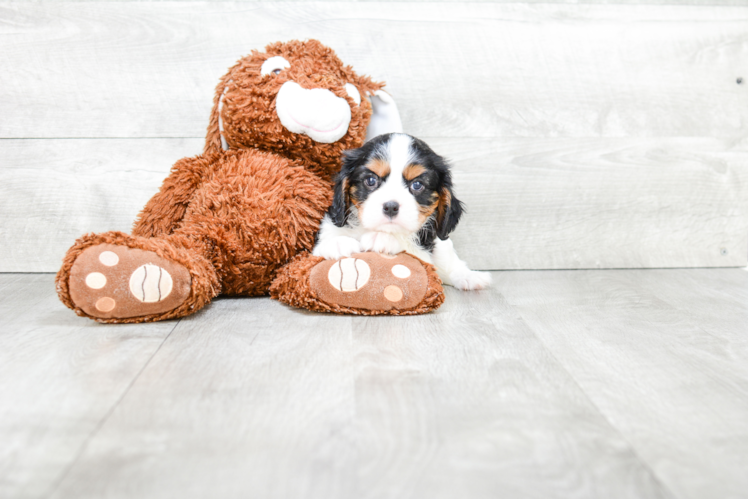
<point x="662" y="354"/>
<point x="247" y="399"/>
<point x="468" y="402"/>
<point x="60" y="376"/>
<point x="583" y="136"/>
<point x="54" y="191"/>
<point x="252" y="399"/>
<point x="551" y="203"/>
<point x="603" y="2"/>
<point x="148" y="69"/>
<point x="629" y="383"/>
<point x="601" y="203"/>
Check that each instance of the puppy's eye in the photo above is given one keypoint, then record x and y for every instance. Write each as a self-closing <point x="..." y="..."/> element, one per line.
<point x="416" y="186"/>
<point x="371" y="181"/>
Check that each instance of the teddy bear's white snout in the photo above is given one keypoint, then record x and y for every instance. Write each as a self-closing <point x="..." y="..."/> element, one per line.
<point x="318" y="113"/>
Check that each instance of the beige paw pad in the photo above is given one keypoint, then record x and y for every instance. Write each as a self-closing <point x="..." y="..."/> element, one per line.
<point x="400" y="271"/>
<point x="150" y="283"/>
<point x="393" y="293"/>
<point x="349" y="275"/>
<point x="95" y="281"/>
<point x="105" y="304"/>
<point x="109" y="259"/>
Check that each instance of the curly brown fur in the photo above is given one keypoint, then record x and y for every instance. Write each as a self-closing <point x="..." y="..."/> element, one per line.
<point x="248" y="111"/>
<point x="166" y="208"/>
<point x="251" y="214"/>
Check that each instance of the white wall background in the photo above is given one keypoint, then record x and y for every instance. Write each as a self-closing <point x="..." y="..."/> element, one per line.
<point x="582" y="135"/>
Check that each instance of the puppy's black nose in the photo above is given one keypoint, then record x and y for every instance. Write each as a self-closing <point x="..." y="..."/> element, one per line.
<point x="391" y="208"/>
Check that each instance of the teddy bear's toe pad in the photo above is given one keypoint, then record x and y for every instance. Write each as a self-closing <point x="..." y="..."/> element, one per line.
<point x="371" y="281"/>
<point x="115" y="281"/>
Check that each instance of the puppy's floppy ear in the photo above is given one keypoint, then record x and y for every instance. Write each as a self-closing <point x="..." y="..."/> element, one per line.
<point x="448" y="212"/>
<point x="341" y="199"/>
<point x="339" y="209"/>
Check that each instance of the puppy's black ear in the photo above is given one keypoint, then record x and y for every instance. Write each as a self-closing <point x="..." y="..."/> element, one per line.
<point x="448" y="212"/>
<point x="338" y="211"/>
<point x="341" y="199"/>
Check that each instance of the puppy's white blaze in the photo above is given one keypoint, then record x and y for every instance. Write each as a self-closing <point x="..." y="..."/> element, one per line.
<point x="398" y="154"/>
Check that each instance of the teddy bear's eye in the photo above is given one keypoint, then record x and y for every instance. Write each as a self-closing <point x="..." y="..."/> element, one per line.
<point x="353" y="92"/>
<point x="274" y="65"/>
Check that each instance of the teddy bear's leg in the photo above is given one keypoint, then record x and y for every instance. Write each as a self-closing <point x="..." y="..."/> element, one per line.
<point x="165" y="209"/>
<point x="366" y="283"/>
<point x="117" y="278"/>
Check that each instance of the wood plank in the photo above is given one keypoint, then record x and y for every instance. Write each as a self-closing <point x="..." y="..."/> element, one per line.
<point x="60" y="376"/>
<point x="671" y="381"/>
<point x="148" y="69"/>
<point x="468" y="403"/>
<point x="555" y="383"/>
<point x="247" y="399"/>
<point x="552" y="203"/>
<point x="253" y="399"/>
<point x="601" y="203"/>
<point x="54" y="191"/>
<point x="603" y="2"/>
<point x="715" y="299"/>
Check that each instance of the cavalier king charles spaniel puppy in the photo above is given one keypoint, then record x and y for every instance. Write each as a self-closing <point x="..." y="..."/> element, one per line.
<point x="394" y="194"/>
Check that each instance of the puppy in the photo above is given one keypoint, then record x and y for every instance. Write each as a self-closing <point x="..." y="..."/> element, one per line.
<point x="393" y="194"/>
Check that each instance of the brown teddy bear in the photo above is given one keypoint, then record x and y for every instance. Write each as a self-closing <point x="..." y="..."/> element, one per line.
<point x="229" y="220"/>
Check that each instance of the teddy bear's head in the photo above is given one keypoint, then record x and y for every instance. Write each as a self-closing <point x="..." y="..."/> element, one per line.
<point x="296" y="99"/>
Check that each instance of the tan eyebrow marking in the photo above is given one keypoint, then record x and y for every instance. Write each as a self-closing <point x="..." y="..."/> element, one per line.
<point x="379" y="167"/>
<point x="425" y="211"/>
<point x="412" y="171"/>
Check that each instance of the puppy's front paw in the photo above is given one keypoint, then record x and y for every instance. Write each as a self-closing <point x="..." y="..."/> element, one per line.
<point x="336" y="248"/>
<point x="380" y="243"/>
<point x="470" y="280"/>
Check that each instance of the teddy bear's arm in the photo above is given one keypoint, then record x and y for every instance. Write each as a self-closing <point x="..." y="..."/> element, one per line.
<point x="165" y="209"/>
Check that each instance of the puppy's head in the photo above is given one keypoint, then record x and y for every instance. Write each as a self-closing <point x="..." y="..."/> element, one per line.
<point x="397" y="184"/>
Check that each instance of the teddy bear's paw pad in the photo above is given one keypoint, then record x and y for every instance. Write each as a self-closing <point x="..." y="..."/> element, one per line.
<point x="115" y="281"/>
<point x="371" y="281"/>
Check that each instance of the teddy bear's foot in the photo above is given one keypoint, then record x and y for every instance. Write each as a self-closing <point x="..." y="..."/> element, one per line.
<point x="366" y="283"/>
<point x="115" y="281"/>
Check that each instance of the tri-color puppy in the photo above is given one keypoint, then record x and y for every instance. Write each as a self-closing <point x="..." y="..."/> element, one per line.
<point x="393" y="194"/>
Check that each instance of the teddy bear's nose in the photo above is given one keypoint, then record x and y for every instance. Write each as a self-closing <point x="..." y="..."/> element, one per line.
<point x="318" y="113"/>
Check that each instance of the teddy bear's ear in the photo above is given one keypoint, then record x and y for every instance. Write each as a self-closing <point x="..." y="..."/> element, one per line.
<point x="385" y="118"/>
<point x="214" y="141"/>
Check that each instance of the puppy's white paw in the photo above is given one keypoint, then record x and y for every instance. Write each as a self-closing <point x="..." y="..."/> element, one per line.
<point x="470" y="280"/>
<point x="375" y="241"/>
<point x="336" y="248"/>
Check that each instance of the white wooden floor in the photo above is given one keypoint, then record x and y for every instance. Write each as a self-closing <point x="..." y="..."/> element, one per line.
<point x="551" y="384"/>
